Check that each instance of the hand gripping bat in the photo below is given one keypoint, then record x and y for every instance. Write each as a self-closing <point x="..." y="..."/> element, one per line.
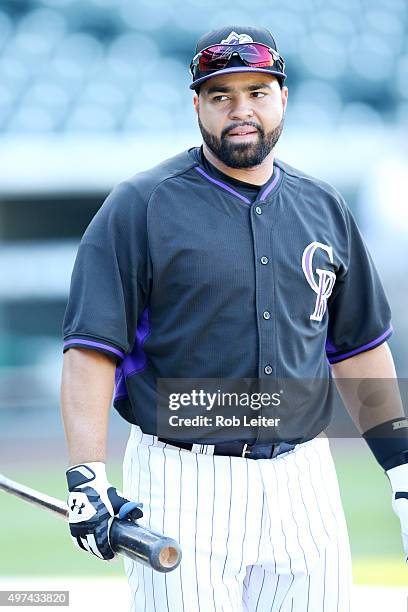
<point x="126" y="537"/>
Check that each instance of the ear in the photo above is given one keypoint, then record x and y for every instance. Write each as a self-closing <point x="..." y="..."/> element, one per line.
<point x="284" y="97"/>
<point x="196" y="103"/>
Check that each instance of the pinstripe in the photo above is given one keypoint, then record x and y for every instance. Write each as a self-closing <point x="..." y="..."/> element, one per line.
<point x="282" y="529"/>
<point x="131" y="448"/>
<point x="260" y="533"/>
<point x="308" y="594"/>
<point x="270" y="536"/>
<point x="245" y="519"/>
<point x="140" y="441"/>
<point x="293" y="515"/>
<point x="247" y="581"/>
<point x="284" y="537"/>
<point x="323" y="480"/>
<point x="164" y="512"/>
<point x="304" y="505"/>
<point x="144" y="578"/>
<point x="131" y="473"/>
<point x="196" y="528"/>
<point x="150" y="512"/>
<point x="138" y="479"/>
<point x="274" y="595"/>
<point x="249" y="577"/>
<point x="314" y="491"/>
<point x="228" y="530"/>
<point x="212" y="533"/>
<point x="130" y="480"/>
<point x="287" y="593"/>
<point x="260" y="591"/>
<point x="179" y="526"/>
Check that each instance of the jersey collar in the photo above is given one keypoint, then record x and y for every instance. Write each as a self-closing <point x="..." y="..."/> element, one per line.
<point x="266" y="190"/>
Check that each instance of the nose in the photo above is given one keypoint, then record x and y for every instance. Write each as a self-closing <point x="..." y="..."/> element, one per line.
<point x="241" y="109"/>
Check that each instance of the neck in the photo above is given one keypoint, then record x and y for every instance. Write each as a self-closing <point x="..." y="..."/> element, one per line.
<point x="256" y="175"/>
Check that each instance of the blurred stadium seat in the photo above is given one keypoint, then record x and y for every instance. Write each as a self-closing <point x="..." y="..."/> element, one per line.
<point x="90" y="55"/>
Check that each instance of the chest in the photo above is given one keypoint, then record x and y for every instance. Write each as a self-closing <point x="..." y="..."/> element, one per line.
<point x="290" y="247"/>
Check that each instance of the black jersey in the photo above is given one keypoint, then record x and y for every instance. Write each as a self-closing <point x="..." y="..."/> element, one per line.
<point x="181" y="274"/>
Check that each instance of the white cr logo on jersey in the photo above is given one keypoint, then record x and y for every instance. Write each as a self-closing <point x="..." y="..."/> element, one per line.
<point x="324" y="284"/>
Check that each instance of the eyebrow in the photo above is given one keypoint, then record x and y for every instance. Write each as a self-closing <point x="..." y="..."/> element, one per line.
<point x="226" y="89"/>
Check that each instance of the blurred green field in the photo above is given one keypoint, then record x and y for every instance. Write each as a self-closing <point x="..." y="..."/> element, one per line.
<point x="374" y="529"/>
<point x="33" y="543"/>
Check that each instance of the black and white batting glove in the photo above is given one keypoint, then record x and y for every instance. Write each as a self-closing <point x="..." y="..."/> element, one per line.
<point x="92" y="505"/>
<point x="399" y="483"/>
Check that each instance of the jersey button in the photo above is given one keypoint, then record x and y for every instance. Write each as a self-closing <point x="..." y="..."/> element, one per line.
<point x="258" y="210"/>
<point x="268" y="369"/>
<point x="264" y="260"/>
<point x="266" y="315"/>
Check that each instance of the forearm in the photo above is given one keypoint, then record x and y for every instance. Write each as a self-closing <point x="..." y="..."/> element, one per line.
<point x="86" y="395"/>
<point x="368" y="387"/>
<point x="375" y="405"/>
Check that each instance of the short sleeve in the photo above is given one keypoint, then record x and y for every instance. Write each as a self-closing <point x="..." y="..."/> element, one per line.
<point x="359" y="313"/>
<point x="109" y="283"/>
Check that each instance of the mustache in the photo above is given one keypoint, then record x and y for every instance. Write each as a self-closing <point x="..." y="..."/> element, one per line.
<point x="238" y="125"/>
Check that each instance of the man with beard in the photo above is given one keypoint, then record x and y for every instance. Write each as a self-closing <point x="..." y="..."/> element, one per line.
<point x="225" y="263"/>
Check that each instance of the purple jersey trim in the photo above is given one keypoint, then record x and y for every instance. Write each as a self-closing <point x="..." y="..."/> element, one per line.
<point x="93" y="344"/>
<point x="272" y="185"/>
<point x="330" y="348"/>
<point x="263" y="195"/>
<point x="363" y="348"/>
<point x="223" y="185"/>
<point x="136" y="360"/>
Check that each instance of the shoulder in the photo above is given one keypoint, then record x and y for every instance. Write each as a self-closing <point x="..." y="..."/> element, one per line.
<point x="129" y="199"/>
<point x="143" y="184"/>
<point x="310" y="186"/>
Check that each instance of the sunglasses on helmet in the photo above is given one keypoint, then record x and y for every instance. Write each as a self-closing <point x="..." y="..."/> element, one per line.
<point x="216" y="57"/>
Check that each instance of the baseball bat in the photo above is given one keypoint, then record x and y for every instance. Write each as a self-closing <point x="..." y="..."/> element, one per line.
<point x="127" y="538"/>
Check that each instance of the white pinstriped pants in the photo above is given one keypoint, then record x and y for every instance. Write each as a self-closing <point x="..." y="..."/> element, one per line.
<point x="266" y="535"/>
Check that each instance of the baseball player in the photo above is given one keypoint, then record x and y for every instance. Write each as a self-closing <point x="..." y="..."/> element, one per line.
<point x="225" y="262"/>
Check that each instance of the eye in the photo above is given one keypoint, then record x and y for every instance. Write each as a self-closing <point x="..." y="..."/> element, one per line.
<point x="218" y="98"/>
<point x="258" y="93"/>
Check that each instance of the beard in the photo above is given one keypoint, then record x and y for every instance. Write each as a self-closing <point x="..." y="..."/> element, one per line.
<point x="243" y="154"/>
